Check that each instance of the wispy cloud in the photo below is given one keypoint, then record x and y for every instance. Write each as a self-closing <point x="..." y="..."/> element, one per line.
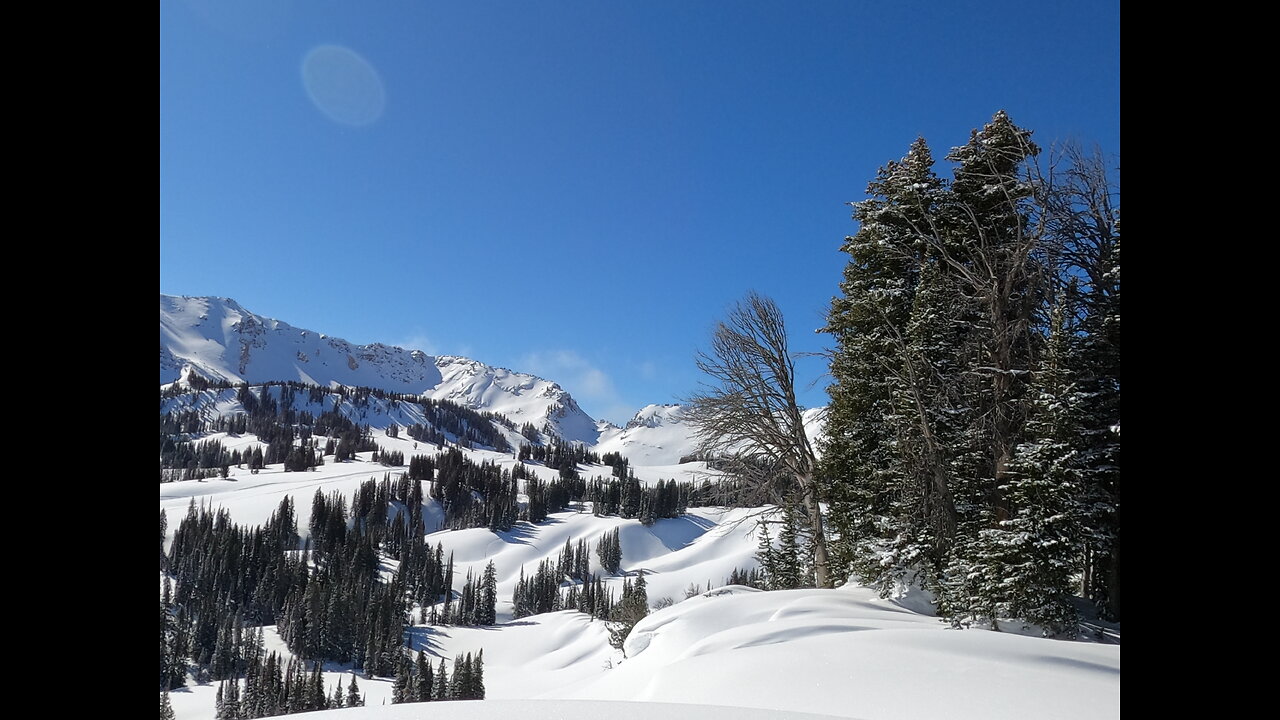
<point x="648" y="370"/>
<point x="418" y="340"/>
<point x="591" y="386"/>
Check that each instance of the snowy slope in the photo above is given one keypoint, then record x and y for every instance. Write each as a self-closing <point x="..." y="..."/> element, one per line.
<point x="656" y="435"/>
<point x="839" y="652"/>
<point x="847" y="652"/>
<point x="222" y="340"/>
<point x="558" y="710"/>
<point x="726" y="654"/>
<point x="659" y="435"/>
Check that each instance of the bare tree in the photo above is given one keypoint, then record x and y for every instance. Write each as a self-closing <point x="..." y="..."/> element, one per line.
<point x="748" y="416"/>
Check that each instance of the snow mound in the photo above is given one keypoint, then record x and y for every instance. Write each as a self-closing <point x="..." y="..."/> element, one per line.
<point x="848" y="653"/>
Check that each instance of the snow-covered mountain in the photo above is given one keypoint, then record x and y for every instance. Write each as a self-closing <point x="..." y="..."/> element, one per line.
<point x="659" y="435"/>
<point x="656" y="435"/>
<point x="219" y="339"/>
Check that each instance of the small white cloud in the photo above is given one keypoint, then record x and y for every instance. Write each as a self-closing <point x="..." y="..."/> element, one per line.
<point x="418" y="341"/>
<point x="590" y="385"/>
<point x="648" y="370"/>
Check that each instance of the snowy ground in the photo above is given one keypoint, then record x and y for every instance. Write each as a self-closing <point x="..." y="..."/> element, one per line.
<point x="559" y="710"/>
<point x="838" y="652"/>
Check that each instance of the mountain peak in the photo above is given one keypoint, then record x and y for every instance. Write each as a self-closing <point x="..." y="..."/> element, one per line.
<point x="220" y="339"/>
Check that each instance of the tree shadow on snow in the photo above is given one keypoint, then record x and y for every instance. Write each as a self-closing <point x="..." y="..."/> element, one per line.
<point x="677" y="533"/>
<point x="425" y="639"/>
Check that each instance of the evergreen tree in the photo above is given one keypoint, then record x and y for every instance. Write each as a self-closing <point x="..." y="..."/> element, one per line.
<point x="401" y="691"/>
<point x="863" y="463"/>
<point x="609" y="551"/>
<point x="353" y="693"/>
<point x="424" y="679"/>
<point x="441" y="690"/>
<point x="486" y="612"/>
<point x="633" y="608"/>
<point x="944" y="466"/>
<point x="766" y="555"/>
<point x="166" y="710"/>
<point x="789" y="574"/>
<point x="477" y="676"/>
<point x="337" y="700"/>
<point x="1026" y="563"/>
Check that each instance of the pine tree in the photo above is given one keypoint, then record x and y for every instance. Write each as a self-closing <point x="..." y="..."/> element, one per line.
<point x="166" y="710"/>
<point x="766" y="555"/>
<point x="633" y="607"/>
<point x="337" y="700"/>
<point x="1026" y="563"/>
<point x="477" y="676"/>
<point x="789" y="556"/>
<point x="458" y="681"/>
<point x="353" y="693"/>
<point x="861" y="462"/>
<point x="486" y="612"/>
<point x="424" y="679"/>
<point x="400" y="688"/>
<point x="943" y="465"/>
<point x="441" y="690"/>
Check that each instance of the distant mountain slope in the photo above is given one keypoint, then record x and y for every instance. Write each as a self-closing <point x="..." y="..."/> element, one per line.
<point x="656" y="435"/>
<point x="222" y="340"/>
<point x="659" y="435"/>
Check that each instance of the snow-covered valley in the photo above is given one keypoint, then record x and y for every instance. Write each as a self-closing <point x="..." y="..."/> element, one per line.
<point x="841" y="652"/>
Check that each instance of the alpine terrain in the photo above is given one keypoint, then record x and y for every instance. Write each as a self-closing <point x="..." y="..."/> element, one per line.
<point x="362" y="529"/>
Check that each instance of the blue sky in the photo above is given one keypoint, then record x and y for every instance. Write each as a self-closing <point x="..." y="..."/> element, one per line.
<point x="577" y="189"/>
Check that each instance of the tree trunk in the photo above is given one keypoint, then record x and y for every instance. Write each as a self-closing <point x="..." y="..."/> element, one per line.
<point x="821" y="564"/>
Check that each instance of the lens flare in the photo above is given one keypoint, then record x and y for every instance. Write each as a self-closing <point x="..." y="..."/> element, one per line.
<point x="343" y="85"/>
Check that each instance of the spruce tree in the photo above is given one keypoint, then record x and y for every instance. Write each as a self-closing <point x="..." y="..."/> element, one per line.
<point x="423" y="680"/>
<point x="862" y="461"/>
<point x="166" y="710"/>
<point x="789" y="558"/>
<point x="936" y="333"/>
<point x="400" y="688"/>
<point x="441" y="690"/>
<point x="353" y="693"/>
<point x="766" y="555"/>
<point x="486" y="612"/>
<point x="477" y="676"/>
<point x="1026" y="562"/>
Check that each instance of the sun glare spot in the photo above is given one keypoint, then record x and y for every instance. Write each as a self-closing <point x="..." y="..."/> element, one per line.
<point x="343" y="85"/>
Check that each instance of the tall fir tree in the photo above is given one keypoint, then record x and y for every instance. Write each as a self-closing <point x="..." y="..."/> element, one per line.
<point x="354" y="699"/>
<point x="864" y="471"/>
<point x="970" y="447"/>
<point x="424" y="678"/>
<point x="1025" y="564"/>
<point x="441" y="689"/>
<point x="487" y="605"/>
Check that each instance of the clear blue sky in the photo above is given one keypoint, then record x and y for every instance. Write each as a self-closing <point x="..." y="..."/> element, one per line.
<point x="577" y="189"/>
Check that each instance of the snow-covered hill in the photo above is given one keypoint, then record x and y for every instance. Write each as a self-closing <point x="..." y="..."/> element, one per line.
<point x="839" y="652"/>
<point x="656" y="435"/>
<point x="222" y="340"/>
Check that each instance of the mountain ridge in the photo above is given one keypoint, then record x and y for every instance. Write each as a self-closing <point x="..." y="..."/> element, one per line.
<point x="221" y="339"/>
